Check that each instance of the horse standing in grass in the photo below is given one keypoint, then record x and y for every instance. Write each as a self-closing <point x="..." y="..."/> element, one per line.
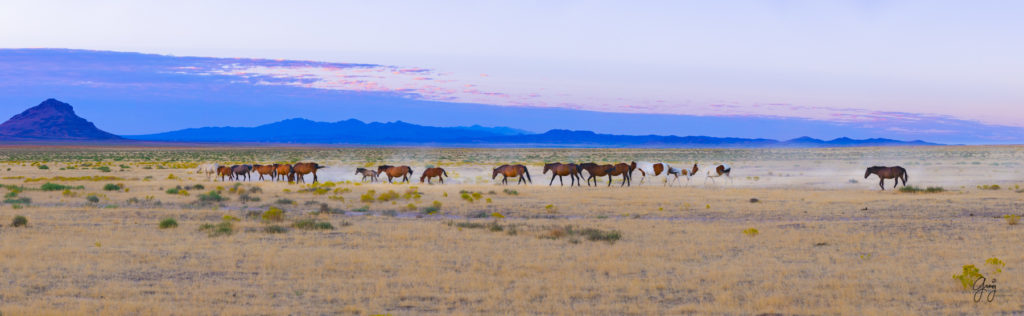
<point x="677" y="172"/>
<point x="303" y="168"/>
<point x="433" y="172"/>
<point x="209" y="169"/>
<point x="883" y="173"/>
<point x="394" y="172"/>
<point x="225" y="171"/>
<point x="367" y="173"/>
<point x="595" y="171"/>
<point x="283" y="172"/>
<point x="720" y="170"/>
<point x="267" y="170"/>
<point x="624" y="170"/>
<point x="647" y="168"/>
<point x="242" y="172"/>
<point x="560" y="170"/>
<point x="512" y="171"/>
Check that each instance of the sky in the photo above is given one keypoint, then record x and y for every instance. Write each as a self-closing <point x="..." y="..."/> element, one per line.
<point x="892" y="64"/>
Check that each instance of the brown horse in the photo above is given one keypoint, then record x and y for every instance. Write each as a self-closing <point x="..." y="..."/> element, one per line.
<point x="366" y="173"/>
<point x="512" y="171"/>
<point x="394" y="172"/>
<point x="303" y="168"/>
<point x="595" y="171"/>
<point x="559" y="170"/>
<point x="283" y="172"/>
<point x="883" y="173"/>
<point x="225" y="171"/>
<point x="433" y="172"/>
<point x="267" y="170"/>
<point x="624" y="170"/>
<point x="242" y="172"/>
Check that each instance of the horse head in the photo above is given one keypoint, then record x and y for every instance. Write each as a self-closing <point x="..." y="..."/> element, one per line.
<point x="495" y="173"/>
<point x="694" y="168"/>
<point x="360" y="170"/>
<point x="632" y="165"/>
<point x="870" y="170"/>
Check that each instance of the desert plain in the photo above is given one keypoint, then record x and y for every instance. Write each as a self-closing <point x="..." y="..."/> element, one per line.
<point x="795" y="231"/>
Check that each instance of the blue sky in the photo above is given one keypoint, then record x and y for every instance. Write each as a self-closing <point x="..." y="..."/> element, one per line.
<point x="933" y="70"/>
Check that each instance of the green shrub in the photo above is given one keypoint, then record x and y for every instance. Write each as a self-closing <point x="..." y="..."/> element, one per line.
<point x="104" y="169"/>
<point x="168" y="223"/>
<point x="275" y="229"/>
<point x="913" y="189"/>
<point x="989" y="187"/>
<point x="273" y="215"/>
<point x="19" y="221"/>
<point x="113" y="187"/>
<point x="212" y="196"/>
<point x="751" y="232"/>
<point x="44" y="167"/>
<point x="1012" y="219"/>
<point x="968" y="276"/>
<point x="58" y="187"/>
<point x="593" y="234"/>
<point x="285" y="202"/>
<point x="93" y="198"/>
<point x="220" y="229"/>
<point x="312" y="224"/>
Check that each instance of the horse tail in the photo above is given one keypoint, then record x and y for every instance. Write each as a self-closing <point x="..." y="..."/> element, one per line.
<point x="906" y="175"/>
<point x="445" y="173"/>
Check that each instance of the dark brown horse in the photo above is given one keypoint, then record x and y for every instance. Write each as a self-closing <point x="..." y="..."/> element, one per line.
<point x="394" y="172"/>
<point x="883" y="173"/>
<point x="560" y="170"/>
<point x="366" y="173"/>
<point x="303" y="168"/>
<point x="242" y="172"/>
<point x="595" y="170"/>
<point x="512" y="171"/>
<point x="225" y="171"/>
<point x="624" y="170"/>
<point x="267" y="170"/>
<point x="283" y="172"/>
<point x="433" y="172"/>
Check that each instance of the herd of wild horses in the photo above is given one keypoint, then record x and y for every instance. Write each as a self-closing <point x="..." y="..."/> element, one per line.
<point x="296" y="172"/>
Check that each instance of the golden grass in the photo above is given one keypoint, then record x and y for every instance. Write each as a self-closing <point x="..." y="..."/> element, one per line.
<point x="817" y="250"/>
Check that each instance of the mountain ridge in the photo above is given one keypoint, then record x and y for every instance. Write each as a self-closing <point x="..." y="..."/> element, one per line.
<point x="51" y="120"/>
<point x="356" y="132"/>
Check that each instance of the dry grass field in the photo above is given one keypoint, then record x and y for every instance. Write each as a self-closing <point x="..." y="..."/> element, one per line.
<point x="797" y="231"/>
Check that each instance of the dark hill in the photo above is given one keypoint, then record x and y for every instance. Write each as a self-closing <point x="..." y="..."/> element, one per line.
<point x="51" y="120"/>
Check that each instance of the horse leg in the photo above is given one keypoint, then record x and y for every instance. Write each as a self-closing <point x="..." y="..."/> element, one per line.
<point x="552" y="179"/>
<point x="881" y="183"/>
<point x="609" y="180"/>
<point x="560" y="182"/>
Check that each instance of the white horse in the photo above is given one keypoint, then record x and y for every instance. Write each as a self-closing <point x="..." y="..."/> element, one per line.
<point x="677" y="172"/>
<point x="721" y="170"/>
<point x="653" y="169"/>
<point x="209" y="169"/>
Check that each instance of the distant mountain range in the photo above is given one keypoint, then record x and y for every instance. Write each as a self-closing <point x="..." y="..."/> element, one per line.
<point x="53" y="120"/>
<point x="356" y="132"/>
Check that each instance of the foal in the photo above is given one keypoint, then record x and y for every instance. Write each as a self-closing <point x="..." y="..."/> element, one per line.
<point x="676" y="172"/>
<point x="367" y="173"/>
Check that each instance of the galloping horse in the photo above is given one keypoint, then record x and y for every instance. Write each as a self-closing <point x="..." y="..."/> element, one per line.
<point x="242" y="172"/>
<point x="433" y="172"/>
<point x="512" y="171"/>
<point x="560" y="170"/>
<point x="721" y="170"/>
<point x="367" y="173"/>
<point x="676" y="172"/>
<point x="268" y="170"/>
<point x="883" y="173"/>
<point x="626" y="171"/>
<point x="225" y="171"/>
<point x="209" y="169"/>
<point x="394" y="172"/>
<point x="283" y="172"/>
<point x="595" y="171"/>
<point x="654" y="169"/>
<point x="303" y="168"/>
